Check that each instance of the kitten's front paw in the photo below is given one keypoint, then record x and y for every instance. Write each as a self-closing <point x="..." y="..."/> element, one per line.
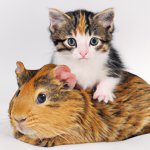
<point x="103" y="94"/>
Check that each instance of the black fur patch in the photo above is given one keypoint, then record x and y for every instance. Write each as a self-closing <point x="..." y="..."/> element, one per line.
<point x="25" y="76"/>
<point x="42" y="81"/>
<point x="114" y="63"/>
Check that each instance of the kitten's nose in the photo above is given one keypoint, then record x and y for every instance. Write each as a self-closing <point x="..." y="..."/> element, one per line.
<point x="20" y="119"/>
<point x="83" y="53"/>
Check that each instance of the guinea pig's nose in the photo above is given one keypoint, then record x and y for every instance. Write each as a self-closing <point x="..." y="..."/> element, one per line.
<point x="20" y="119"/>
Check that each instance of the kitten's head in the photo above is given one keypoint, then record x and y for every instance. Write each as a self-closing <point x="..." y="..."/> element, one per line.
<point x="81" y="34"/>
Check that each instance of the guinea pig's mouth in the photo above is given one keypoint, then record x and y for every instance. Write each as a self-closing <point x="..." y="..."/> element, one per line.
<point x="25" y="131"/>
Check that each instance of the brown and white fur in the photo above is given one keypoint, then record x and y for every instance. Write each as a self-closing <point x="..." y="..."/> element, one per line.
<point x="82" y="39"/>
<point x="71" y="116"/>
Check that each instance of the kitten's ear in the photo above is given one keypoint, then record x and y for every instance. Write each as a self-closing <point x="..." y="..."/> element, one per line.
<point x="63" y="73"/>
<point x="105" y="18"/>
<point x="57" y="19"/>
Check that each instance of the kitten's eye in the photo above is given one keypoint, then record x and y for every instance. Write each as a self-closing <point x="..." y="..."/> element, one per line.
<point x="94" y="41"/>
<point x="71" y="42"/>
<point x="41" y="98"/>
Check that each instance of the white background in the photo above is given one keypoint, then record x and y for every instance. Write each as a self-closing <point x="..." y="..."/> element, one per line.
<point x="24" y="36"/>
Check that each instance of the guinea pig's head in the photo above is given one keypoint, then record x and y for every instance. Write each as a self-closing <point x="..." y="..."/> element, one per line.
<point x="45" y="104"/>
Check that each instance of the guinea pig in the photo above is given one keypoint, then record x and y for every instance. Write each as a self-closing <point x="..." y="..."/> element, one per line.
<point x="48" y="109"/>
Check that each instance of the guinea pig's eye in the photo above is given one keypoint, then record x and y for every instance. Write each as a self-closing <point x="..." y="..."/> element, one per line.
<point x="17" y="93"/>
<point x="94" y="41"/>
<point x="71" y="42"/>
<point x="41" y="98"/>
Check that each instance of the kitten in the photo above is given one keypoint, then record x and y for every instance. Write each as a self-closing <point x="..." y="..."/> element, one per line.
<point x="83" y="42"/>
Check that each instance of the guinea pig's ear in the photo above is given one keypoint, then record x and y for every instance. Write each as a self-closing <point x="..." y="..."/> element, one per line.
<point x="23" y="75"/>
<point x="57" y="19"/>
<point x="63" y="73"/>
<point x="20" y="68"/>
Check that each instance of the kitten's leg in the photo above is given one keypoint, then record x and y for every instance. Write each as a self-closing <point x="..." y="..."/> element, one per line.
<point x="105" y="88"/>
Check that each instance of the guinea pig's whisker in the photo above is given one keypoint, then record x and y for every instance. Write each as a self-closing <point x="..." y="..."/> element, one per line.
<point x="32" y="120"/>
<point x="55" y="131"/>
<point x="59" y="131"/>
<point x="40" y="131"/>
<point x="77" y="135"/>
<point x="37" y="135"/>
<point x="60" y="134"/>
<point x="69" y="134"/>
<point x="43" y="129"/>
<point x="32" y="116"/>
<point x="32" y="123"/>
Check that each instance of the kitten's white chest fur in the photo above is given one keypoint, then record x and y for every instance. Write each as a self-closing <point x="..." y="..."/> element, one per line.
<point x="88" y="72"/>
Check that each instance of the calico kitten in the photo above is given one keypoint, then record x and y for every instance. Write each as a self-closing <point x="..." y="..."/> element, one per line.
<point x="83" y="42"/>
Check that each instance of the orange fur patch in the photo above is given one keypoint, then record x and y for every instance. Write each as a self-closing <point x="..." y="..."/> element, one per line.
<point x="82" y="24"/>
<point x="72" y="117"/>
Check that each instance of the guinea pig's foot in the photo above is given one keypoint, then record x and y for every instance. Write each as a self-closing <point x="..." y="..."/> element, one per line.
<point x="26" y="139"/>
<point x="47" y="143"/>
<point x="104" y="94"/>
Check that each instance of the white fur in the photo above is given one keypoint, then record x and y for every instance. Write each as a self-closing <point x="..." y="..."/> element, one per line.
<point x="83" y="46"/>
<point x="105" y="89"/>
<point x="23" y="130"/>
<point x="90" y="69"/>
